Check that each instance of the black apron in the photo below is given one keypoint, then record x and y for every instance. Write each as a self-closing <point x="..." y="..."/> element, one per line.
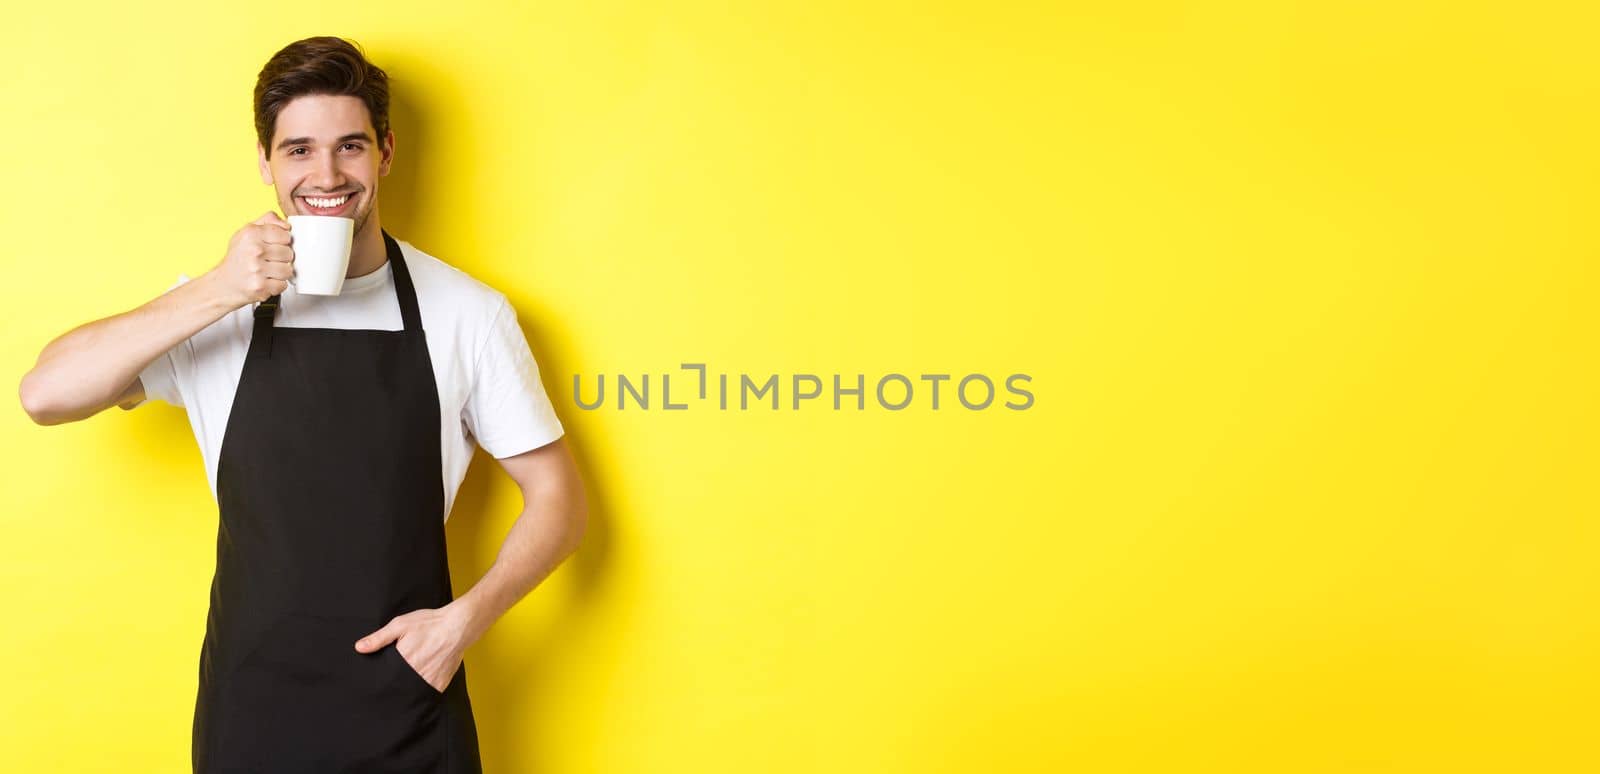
<point x="331" y="496"/>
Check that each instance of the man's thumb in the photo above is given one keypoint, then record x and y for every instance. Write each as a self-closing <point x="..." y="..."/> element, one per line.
<point x="378" y="639"/>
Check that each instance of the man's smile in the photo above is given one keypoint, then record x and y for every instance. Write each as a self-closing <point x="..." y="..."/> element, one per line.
<point x="342" y="204"/>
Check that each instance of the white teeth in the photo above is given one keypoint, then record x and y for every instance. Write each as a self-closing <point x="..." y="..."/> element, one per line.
<point x="325" y="203"/>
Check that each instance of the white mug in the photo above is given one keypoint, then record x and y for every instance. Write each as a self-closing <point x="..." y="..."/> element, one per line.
<point x="321" y="245"/>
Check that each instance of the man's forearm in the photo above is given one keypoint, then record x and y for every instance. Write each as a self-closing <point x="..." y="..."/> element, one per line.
<point x="84" y="370"/>
<point x="545" y="534"/>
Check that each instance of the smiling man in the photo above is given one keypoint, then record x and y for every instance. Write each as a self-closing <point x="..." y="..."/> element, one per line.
<point x="335" y="435"/>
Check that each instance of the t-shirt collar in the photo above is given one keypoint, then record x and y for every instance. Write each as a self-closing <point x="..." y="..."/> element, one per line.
<point x="369" y="280"/>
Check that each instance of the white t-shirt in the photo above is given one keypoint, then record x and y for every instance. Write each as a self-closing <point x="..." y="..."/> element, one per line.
<point x="488" y="381"/>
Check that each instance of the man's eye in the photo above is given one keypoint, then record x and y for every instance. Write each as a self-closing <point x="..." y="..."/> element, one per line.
<point x="352" y="145"/>
<point x="293" y="151"/>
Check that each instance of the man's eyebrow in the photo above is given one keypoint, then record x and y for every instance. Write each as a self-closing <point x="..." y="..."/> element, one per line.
<point x="288" y="141"/>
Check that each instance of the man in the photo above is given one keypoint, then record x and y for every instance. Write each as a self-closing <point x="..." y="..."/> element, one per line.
<point x="335" y="435"/>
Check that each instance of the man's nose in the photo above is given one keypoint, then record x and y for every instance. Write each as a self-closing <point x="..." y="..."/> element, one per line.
<point x="326" y="177"/>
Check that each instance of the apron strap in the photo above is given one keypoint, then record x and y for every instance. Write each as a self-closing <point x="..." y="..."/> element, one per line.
<point x="403" y="289"/>
<point x="261" y="337"/>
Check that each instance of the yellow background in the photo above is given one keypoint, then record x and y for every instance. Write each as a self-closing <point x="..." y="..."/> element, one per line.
<point x="1307" y="295"/>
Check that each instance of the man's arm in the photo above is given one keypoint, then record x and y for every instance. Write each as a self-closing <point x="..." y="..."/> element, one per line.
<point x="555" y="513"/>
<point x="97" y="365"/>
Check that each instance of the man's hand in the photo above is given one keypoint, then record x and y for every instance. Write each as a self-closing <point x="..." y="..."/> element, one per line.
<point x="259" y="261"/>
<point x="431" y="640"/>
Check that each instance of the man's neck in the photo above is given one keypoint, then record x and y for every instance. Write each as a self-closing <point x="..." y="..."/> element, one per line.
<point x="367" y="251"/>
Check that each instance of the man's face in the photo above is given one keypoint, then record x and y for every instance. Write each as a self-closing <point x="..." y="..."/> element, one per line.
<point x="323" y="152"/>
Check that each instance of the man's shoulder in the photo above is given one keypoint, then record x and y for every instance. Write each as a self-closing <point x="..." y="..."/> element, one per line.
<point x="449" y="285"/>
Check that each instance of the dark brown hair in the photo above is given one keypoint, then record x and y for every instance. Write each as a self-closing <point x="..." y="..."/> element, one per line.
<point x="321" y="65"/>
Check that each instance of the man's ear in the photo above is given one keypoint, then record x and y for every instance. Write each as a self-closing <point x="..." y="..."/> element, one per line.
<point x="261" y="158"/>
<point x="388" y="153"/>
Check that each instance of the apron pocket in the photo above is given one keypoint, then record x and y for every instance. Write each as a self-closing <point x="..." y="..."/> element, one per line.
<point x="401" y="665"/>
<point x="304" y="694"/>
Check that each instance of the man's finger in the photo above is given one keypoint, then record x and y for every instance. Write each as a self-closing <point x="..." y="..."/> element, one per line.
<point x="277" y="254"/>
<point x="278" y="271"/>
<point x="389" y="633"/>
<point x="271" y="218"/>
<point x="273" y="236"/>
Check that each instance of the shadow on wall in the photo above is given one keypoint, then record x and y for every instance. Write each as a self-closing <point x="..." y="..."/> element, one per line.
<point x="506" y="669"/>
<point x="401" y="192"/>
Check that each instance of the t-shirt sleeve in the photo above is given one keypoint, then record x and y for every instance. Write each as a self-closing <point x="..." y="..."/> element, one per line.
<point x="160" y="378"/>
<point x="507" y="410"/>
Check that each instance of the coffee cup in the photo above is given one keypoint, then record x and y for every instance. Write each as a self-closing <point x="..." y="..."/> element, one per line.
<point x="321" y="245"/>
